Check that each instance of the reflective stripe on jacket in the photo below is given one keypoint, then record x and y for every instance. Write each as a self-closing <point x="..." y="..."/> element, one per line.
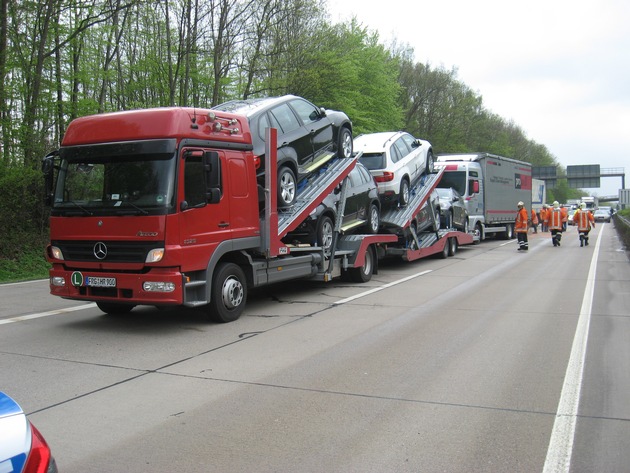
<point x="520" y="225"/>
<point x="583" y="220"/>
<point x="554" y="219"/>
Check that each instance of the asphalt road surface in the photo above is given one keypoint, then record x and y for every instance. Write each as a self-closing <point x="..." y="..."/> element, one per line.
<point x="492" y="360"/>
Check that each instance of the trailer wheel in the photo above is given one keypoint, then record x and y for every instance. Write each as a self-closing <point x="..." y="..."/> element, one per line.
<point x="444" y="253"/>
<point x="452" y="246"/>
<point x="509" y="232"/>
<point x="114" y="308"/>
<point x="287" y="187"/>
<point x="364" y="273"/>
<point x="344" y="147"/>
<point x="229" y="293"/>
<point x="373" y="219"/>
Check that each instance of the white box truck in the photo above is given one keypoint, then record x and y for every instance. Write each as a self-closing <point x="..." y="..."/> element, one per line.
<point x="539" y="194"/>
<point x="491" y="186"/>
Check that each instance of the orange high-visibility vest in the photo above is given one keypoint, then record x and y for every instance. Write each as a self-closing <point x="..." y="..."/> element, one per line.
<point x="534" y="217"/>
<point x="583" y="220"/>
<point x="555" y="219"/>
<point x="521" y="220"/>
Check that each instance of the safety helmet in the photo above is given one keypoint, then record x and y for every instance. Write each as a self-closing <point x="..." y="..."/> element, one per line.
<point x="520" y="204"/>
<point x="556" y="204"/>
<point x="583" y="205"/>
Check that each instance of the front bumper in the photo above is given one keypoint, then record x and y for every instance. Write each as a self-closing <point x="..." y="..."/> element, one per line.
<point x="129" y="288"/>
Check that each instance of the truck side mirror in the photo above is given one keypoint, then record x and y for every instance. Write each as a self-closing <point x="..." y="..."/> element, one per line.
<point x="48" y="169"/>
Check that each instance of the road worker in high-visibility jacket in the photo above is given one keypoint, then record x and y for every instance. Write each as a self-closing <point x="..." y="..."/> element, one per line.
<point x="534" y="221"/>
<point x="521" y="226"/>
<point x="554" y="222"/>
<point x="543" y="218"/>
<point x="584" y="220"/>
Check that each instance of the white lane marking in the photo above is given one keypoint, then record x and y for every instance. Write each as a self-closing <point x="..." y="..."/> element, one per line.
<point x="22" y="282"/>
<point x="46" y="314"/>
<point x="380" y="288"/>
<point x="563" y="434"/>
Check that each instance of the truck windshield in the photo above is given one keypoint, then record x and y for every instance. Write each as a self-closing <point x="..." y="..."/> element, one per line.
<point x="119" y="184"/>
<point x="454" y="179"/>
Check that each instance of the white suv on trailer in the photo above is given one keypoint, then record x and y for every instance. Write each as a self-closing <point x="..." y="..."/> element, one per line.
<point x="396" y="160"/>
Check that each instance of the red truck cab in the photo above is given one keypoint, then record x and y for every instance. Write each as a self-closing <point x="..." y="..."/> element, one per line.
<point x="142" y="202"/>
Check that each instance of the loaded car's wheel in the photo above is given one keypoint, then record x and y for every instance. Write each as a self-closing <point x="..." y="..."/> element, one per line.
<point x="345" y="145"/>
<point x="114" y="308"/>
<point x="436" y="219"/>
<point x="430" y="163"/>
<point x="325" y="232"/>
<point x="287" y="187"/>
<point x="403" y="196"/>
<point x="229" y="293"/>
<point x="374" y="219"/>
<point x="448" y="219"/>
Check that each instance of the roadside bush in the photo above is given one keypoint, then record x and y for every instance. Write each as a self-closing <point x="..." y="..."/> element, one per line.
<point x="23" y="223"/>
<point x="622" y="225"/>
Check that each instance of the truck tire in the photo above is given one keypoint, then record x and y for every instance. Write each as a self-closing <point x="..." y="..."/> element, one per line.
<point x="444" y="253"/>
<point x="114" y="308"/>
<point x="452" y="246"/>
<point x="345" y="145"/>
<point x="509" y="232"/>
<point x="479" y="231"/>
<point x="364" y="273"/>
<point x="287" y="187"/>
<point x="229" y="293"/>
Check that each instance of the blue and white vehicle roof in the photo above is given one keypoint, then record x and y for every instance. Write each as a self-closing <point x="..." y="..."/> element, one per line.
<point x="15" y="436"/>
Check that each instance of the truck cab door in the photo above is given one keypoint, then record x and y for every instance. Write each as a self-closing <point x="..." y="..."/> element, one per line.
<point x="204" y="220"/>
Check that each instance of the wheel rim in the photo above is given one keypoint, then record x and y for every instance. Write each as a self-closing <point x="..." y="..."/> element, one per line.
<point x="232" y="293"/>
<point x="430" y="163"/>
<point x="346" y="144"/>
<point x="327" y="234"/>
<point x="404" y="193"/>
<point x="367" y="265"/>
<point x="374" y="223"/>
<point x="287" y="187"/>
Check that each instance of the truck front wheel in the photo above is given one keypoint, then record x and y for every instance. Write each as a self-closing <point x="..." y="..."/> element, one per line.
<point x="229" y="293"/>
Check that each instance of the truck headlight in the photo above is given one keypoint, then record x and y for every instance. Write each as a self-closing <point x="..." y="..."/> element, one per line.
<point x="155" y="255"/>
<point x="56" y="252"/>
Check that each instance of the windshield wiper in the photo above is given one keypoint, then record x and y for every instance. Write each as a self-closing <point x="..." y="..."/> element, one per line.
<point x="86" y="211"/>
<point x="139" y="209"/>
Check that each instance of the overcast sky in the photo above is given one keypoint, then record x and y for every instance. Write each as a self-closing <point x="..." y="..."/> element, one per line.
<point x="560" y="69"/>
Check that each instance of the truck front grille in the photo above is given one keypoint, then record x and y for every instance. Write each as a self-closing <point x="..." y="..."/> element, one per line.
<point x="116" y="251"/>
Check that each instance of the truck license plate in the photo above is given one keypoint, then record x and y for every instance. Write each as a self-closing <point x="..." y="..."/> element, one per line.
<point x="100" y="282"/>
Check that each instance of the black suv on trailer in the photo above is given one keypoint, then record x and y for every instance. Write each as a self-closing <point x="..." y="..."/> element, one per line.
<point x="308" y="137"/>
